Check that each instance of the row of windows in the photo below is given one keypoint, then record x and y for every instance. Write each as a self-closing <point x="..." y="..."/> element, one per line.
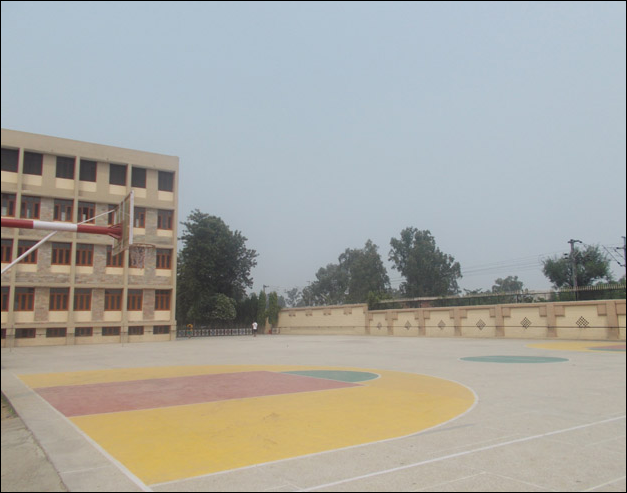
<point x="30" y="208"/>
<point x="59" y="299"/>
<point x="84" y="257"/>
<point x="65" y="168"/>
<point x="136" y="330"/>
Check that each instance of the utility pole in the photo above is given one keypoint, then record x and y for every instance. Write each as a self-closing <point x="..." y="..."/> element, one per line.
<point x="624" y="257"/>
<point x="573" y="264"/>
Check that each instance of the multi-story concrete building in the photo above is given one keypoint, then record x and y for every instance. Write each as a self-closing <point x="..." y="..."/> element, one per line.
<point x="73" y="289"/>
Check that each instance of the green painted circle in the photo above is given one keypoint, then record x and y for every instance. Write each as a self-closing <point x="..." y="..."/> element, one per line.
<point x="339" y="375"/>
<point x="514" y="359"/>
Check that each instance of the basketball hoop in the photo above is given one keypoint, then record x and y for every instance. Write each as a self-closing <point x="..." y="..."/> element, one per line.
<point x="137" y="254"/>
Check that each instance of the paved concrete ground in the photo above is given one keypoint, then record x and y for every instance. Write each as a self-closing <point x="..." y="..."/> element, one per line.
<point x="534" y="427"/>
<point x="25" y="466"/>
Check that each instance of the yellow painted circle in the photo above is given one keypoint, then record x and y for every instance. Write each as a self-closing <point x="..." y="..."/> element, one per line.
<point x="177" y="442"/>
<point x="587" y="346"/>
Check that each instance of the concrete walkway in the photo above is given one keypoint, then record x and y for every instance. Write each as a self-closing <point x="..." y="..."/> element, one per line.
<point x="557" y="426"/>
<point x="25" y="466"/>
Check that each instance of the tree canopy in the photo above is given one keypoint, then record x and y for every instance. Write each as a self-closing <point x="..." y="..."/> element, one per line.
<point x="510" y="284"/>
<point x="591" y="265"/>
<point x="366" y="273"/>
<point x="427" y="270"/>
<point x="213" y="261"/>
<point x="358" y="273"/>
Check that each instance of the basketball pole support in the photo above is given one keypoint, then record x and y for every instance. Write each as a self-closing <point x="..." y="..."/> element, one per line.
<point x="115" y="231"/>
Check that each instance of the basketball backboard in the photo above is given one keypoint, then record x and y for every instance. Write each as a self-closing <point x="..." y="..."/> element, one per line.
<point x="123" y="215"/>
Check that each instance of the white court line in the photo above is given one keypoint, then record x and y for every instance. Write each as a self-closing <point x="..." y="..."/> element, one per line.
<point x="459" y="454"/>
<point x="605" y="484"/>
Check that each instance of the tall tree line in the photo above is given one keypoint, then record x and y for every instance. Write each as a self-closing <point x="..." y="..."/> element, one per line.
<point x="214" y="267"/>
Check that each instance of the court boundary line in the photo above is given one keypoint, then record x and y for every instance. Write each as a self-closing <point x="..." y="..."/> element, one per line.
<point x="460" y="454"/>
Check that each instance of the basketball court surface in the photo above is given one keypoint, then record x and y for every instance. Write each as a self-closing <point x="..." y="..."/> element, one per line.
<point x="326" y="413"/>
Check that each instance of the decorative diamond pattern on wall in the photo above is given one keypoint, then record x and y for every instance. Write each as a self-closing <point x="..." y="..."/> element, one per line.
<point x="379" y="326"/>
<point x="480" y="324"/>
<point x="441" y="324"/>
<point x="407" y="325"/>
<point x="582" y="323"/>
<point x="525" y="322"/>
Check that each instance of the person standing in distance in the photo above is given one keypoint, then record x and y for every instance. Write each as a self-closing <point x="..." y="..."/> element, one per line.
<point x="254" y="329"/>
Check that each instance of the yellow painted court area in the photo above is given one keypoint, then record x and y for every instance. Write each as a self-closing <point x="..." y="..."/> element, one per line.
<point x="172" y="443"/>
<point x="574" y="345"/>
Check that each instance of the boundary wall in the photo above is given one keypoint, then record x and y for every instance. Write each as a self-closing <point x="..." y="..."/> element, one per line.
<point x="585" y="320"/>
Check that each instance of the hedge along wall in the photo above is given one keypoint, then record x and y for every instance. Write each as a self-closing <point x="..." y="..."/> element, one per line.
<point x="586" y="320"/>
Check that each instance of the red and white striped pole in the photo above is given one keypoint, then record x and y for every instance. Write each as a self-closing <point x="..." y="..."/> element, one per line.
<point x="114" y="231"/>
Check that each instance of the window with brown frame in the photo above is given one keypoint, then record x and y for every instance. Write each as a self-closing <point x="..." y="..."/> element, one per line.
<point x="9" y="160"/>
<point x="136" y="330"/>
<point x="87" y="171"/>
<point x="139" y="219"/>
<point x="113" y="299"/>
<point x="162" y="299"/>
<point x="7" y="251"/>
<point x="86" y="212"/>
<point x="84" y="255"/>
<point x="65" y="167"/>
<point x="82" y="300"/>
<point x="135" y="299"/>
<point x="8" y="204"/>
<point x="164" y="219"/>
<point x="56" y="332"/>
<point x="111" y="216"/>
<point x="6" y="291"/>
<point x="138" y="177"/>
<point x="33" y="163"/>
<point x="114" y="260"/>
<point x="30" y="207"/>
<point x="83" y="331"/>
<point x="166" y="181"/>
<point x="25" y="333"/>
<point x="111" y="331"/>
<point x="61" y="253"/>
<point x="161" y="329"/>
<point x="22" y="247"/>
<point x="59" y="299"/>
<point x="117" y="174"/>
<point x="164" y="258"/>
<point x="24" y="300"/>
<point x="63" y="210"/>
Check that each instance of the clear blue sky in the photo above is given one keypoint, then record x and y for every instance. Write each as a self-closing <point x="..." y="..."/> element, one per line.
<point x="313" y="127"/>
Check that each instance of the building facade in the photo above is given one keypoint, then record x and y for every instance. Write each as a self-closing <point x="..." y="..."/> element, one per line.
<point x="73" y="289"/>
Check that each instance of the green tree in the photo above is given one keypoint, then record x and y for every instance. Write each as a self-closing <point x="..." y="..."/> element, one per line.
<point x="358" y="272"/>
<point x="330" y="286"/>
<point x="366" y="274"/>
<point x="273" y="309"/>
<point x="510" y="284"/>
<point x="262" y="313"/>
<point x="591" y="265"/>
<point x="223" y="309"/>
<point x="427" y="270"/>
<point x="214" y="260"/>
<point x="247" y="310"/>
<point x="293" y="297"/>
<point x="307" y="297"/>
